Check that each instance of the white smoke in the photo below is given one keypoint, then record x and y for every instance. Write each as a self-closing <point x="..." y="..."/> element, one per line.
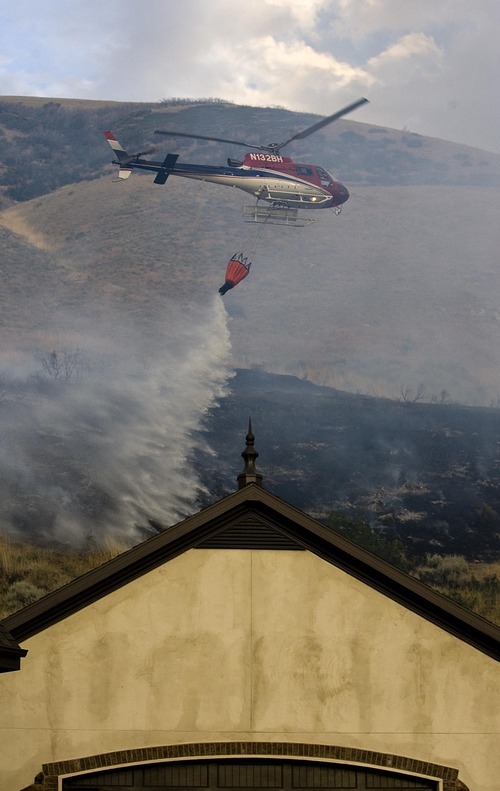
<point x="113" y="453"/>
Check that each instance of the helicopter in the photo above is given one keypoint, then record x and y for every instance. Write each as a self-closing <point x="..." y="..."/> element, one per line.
<point x="280" y="185"/>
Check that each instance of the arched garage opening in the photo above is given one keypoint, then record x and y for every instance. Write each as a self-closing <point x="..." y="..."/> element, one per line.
<point x="283" y="766"/>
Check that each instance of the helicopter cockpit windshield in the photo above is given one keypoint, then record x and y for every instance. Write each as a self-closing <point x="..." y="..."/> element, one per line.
<point x="325" y="177"/>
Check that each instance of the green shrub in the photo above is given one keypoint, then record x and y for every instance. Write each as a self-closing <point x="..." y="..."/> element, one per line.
<point x="20" y="594"/>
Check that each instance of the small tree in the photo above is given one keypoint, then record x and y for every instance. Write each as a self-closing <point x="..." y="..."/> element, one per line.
<point x="65" y="366"/>
<point x="442" y="398"/>
<point x="408" y="396"/>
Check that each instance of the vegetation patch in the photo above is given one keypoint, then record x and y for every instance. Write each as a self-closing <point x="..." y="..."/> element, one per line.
<point x="28" y="571"/>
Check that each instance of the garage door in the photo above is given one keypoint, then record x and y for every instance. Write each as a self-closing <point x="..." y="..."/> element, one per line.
<point x="246" y="774"/>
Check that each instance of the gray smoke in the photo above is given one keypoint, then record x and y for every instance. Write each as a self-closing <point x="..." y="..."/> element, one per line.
<point x="108" y="449"/>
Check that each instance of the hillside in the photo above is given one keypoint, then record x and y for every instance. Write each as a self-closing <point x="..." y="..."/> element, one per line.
<point x="397" y="292"/>
<point x="395" y="299"/>
<point x="58" y="139"/>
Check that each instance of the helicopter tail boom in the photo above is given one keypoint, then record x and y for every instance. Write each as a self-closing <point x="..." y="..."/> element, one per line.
<point x="128" y="162"/>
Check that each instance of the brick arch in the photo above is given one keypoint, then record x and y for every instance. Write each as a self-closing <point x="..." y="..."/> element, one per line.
<point x="49" y="778"/>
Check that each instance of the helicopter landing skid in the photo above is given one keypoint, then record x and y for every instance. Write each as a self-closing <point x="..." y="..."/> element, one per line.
<point x="275" y="215"/>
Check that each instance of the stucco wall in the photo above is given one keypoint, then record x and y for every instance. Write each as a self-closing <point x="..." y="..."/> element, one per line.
<point x="222" y="645"/>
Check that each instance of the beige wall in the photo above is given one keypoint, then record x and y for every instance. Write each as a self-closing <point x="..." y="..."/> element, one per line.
<point x="222" y="645"/>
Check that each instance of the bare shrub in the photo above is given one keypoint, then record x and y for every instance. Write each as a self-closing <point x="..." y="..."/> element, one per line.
<point x="65" y="366"/>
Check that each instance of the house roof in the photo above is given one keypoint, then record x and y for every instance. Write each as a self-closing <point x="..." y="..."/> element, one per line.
<point x="10" y="652"/>
<point x="254" y="518"/>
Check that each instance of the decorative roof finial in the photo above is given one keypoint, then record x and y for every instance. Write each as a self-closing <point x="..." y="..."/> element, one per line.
<point x="249" y="473"/>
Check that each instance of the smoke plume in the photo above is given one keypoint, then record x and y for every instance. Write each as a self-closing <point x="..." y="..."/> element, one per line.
<point x="105" y="448"/>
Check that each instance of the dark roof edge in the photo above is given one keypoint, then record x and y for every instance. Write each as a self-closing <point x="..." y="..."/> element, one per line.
<point x="10" y="652"/>
<point x="303" y="529"/>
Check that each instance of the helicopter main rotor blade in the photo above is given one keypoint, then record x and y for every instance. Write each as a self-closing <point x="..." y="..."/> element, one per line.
<point x="203" y="137"/>
<point x="314" y="128"/>
<point x="274" y="148"/>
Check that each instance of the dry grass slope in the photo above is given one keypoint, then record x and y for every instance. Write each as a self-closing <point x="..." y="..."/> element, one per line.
<point x="28" y="571"/>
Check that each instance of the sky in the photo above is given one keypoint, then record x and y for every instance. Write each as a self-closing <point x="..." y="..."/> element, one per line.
<point x="427" y="66"/>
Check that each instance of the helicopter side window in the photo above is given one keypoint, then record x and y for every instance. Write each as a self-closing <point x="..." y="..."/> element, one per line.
<point x="303" y="171"/>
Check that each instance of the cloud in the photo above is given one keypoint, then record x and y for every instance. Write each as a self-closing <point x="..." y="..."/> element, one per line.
<point x="290" y="73"/>
<point x="422" y="50"/>
<point x="432" y="67"/>
<point x="303" y="12"/>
